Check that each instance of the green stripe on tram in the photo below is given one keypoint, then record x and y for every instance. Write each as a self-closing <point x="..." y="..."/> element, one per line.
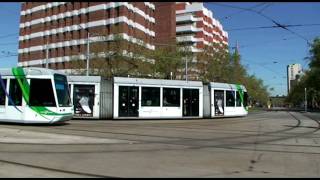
<point x="25" y="87"/>
<point x="241" y="93"/>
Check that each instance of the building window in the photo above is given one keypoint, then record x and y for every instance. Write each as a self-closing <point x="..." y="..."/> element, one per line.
<point x="109" y="13"/>
<point x="87" y="17"/>
<point x="150" y="96"/>
<point x="63" y="51"/>
<point x="78" y="46"/>
<point x="118" y="11"/>
<point x="71" y="51"/>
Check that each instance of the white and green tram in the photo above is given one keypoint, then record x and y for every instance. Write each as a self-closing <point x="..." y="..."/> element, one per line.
<point x="34" y="95"/>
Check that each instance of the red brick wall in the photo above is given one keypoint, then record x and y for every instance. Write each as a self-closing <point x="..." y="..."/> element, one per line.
<point x="80" y="34"/>
<point x="165" y="27"/>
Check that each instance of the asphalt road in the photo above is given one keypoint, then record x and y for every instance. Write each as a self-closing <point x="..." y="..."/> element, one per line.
<point x="263" y="144"/>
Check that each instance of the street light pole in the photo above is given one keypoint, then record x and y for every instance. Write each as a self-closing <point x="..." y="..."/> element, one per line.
<point x="88" y="49"/>
<point x="47" y="56"/>
<point x="305" y="100"/>
<point x="88" y="52"/>
<point x="186" y="68"/>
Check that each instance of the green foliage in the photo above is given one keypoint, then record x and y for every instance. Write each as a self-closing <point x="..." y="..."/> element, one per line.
<point x="227" y="67"/>
<point x="110" y="58"/>
<point x="167" y="59"/>
<point x="315" y="54"/>
<point x="311" y="81"/>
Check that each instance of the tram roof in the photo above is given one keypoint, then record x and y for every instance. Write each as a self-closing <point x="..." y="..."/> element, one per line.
<point x="143" y="81"/>
<point x="92" y="79"/>
<point x="30" y="71"/>
<point x="226" y="86"/>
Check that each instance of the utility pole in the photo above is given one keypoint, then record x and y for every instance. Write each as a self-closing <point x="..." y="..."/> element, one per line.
<point x="305" y="100"/>
<point x="186" y="68"/>
<point x="88" y="52"/>
<point x="88" y="49"/>
<point x="47" y="56"/>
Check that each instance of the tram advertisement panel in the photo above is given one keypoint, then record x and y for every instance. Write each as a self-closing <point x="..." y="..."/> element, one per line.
<point x="219" y="102"/>
<point x="83" y="100"/>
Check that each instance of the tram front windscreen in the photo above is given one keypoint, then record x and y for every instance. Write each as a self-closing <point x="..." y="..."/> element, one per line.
<point x="62" y="90"/>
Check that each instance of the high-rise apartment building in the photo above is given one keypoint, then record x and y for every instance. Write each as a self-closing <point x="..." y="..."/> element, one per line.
<point x="196" y="27"/>
<point x="56" y="32"/>
<point x="294" y="72"/>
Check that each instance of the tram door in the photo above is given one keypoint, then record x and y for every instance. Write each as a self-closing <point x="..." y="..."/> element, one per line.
<point x="128" y="101"/>
<point x="190" y="102"/>
<point x="218" y="102"/>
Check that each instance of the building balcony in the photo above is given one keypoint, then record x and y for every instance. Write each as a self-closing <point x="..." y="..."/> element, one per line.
<point x="186" y="17"/>
<point x="187" y="38"/>
<point x="187" y="28"/>
<point x="191" y="48"/>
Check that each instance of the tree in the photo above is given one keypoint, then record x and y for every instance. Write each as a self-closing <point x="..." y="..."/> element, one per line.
<point x="310" y="80"/>
<point x="116" y="55"/>
<point x="168" y="59"/>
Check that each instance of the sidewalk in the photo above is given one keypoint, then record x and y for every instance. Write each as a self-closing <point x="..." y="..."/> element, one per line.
<point x="312" y="115"/>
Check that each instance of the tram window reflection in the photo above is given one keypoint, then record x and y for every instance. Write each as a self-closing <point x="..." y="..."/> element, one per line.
<point x="150" y="96"/>
<point x="230" y="99"/>
<point x="15" y="93"/>
<point x="238" y="99"/>
<point x="245" y="99"/>
<point x="41" y="93"/>
<point x="171" y="97"/>
<point x="2" y="92"/>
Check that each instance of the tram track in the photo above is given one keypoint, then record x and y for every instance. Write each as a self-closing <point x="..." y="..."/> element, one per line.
<point x="54" y="169"/>
<point x="186" y="141"/>
<point x="168" y="137"/>
<point x="177" y="144"/>
<point x="178" y="138"/>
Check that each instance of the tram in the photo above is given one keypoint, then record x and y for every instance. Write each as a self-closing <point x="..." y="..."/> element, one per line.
<point x="34" y="95"/>
<point x="140" y="98"/>
<point x="228" y="100"/>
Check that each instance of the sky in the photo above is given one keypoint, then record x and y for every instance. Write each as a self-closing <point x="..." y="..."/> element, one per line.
<point x="265" y="52"/>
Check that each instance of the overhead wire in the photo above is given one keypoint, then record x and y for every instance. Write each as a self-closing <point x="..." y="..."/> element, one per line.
<point x="267" y="17"/>
<point x="263" y="27"/>
<point x="228" y="16"/>
<point x="267" y="5"/>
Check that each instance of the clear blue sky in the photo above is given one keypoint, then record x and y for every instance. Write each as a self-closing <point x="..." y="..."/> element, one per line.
<point x="259" y="48"/>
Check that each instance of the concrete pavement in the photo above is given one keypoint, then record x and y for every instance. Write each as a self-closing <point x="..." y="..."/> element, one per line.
<point x="264" y="144"/>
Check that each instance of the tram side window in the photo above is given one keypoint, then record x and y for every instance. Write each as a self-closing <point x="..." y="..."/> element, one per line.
<point x="171" y="97"/>
<point x="245" y="99"/>
<point x="2" y="93"/>
<point x="230" y="98"/>
<point x="41" y="93"/>
<point x="15" y="93"/>
<point x="238" y="99"/>
<point x="150" y="96"/>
